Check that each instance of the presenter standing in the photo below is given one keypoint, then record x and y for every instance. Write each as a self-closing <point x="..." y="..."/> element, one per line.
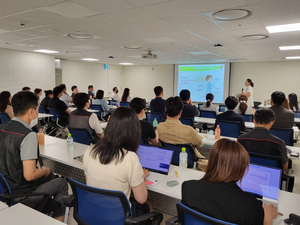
<point x="249" y="92"/>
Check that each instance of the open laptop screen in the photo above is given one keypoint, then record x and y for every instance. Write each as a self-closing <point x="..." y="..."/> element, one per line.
<point x="262" y="181"/>
<point x="155" y="159"/>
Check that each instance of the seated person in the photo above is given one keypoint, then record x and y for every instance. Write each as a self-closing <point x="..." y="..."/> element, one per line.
<point x="125" y="96"/>
<point x="217" y="195"/>
<point x="65" y="97"/>
<point x="45" y="101"/>
<point x="231" y="102"/>
<point x="293" y="102"/>
<point x="157" y="105"/>
<point x="26" y="88"/>
<point x="286" y="105"/>
<point x="115" y="95"/>
<point x="39" y="93"/>
<point x="59" y="105"/>
<point x="18" y="157"/>
<point x="148" y="131"/>
<point x="260" y="140"/>
<point x="242" y="108"/>
<point x="172" y="131"/>
<point x="189" y="110"/>
<point x="74" y="90"/>
<point x="91" y="91"/>
<point x="208" y="106"/>
<point x="284" y="117"/>
<point x="5" y="104"/>
<point x="99" y="101"/>
<point x="81" y="118"/>
<point x="116" y="153"/>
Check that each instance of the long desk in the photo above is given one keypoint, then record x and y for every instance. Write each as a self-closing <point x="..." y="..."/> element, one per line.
<point x="3" y="206"/>
<point x="44" y="115"/>
<point x="56" y="156"/>
<point x="89" y="110"/>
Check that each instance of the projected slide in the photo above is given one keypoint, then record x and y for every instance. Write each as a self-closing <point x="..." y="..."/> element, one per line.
<point x="201" y="80"/>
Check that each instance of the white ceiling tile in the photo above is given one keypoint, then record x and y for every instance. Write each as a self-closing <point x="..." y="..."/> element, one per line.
<point x="145" y="2"/>
<point x="154" y="24"/>
<point x="35" y="32"/>
<point x="214" y="5"/>
<point x="241" y="24"/>
<point x="205" y="29"/>
<point x="40" y="3"/>
<point x="16" y="21"/>
<point x="42" y="16"/>
<point x="189" y="20"/>
<point x="14" y="6"/>
<point x="10" y="37"/>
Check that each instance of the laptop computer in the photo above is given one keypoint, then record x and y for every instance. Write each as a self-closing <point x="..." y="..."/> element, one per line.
<point x="263" y="182"/>
<point x="157" y="160"/>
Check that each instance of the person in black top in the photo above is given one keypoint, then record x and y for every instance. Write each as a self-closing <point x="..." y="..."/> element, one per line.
<point x="90" y="92"/>
<point x="217" y="193"/>
<point x="189" y="110"/>
<point x="139" y="106"/>
<point x="260" y="140"/>
<point x="59" y="105"/>
<point x="231" y="102"/>
<point x="158" y="104"/>
<point x="45" y="101"/>
<point x="74" y="90"/>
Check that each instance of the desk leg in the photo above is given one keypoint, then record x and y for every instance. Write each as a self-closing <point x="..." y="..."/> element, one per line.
<point x="163" y="203"/>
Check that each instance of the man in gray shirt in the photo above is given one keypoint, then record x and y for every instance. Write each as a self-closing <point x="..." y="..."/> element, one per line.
<point x="19" y="154"/>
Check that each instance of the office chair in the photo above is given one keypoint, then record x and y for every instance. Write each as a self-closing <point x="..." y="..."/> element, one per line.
<point x="150" y="116"/>
<point x="42" y="109"/>
<point x="177" y="149"/>
<point x="188" y="216"/>
<point x="285" y="134"/>
<point x="124" y="104"/>
<point x="248" y="118"/>
<point x="81" y="135"/>
<point x="99" y="108"/>
<point x="199" y="106"/>
<point x="112" y="102"/>
<point x="93" y="206"/>
<point x="4" y="117"/>
<point x="47" y="205"/>
<point x="208" y="114"/>
<point x="275" y="162"/>
<point x="187" y="121"/>
<point x="55" y="122"/>
<point x="229" y="128"/>
<point x="222" y="108"/>
<point x="297" y="114"/>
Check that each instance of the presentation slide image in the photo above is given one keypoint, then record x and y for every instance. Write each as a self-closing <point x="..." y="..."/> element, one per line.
<point x="201" y="80"/>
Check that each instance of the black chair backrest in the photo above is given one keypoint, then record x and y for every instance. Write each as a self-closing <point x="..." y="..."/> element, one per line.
<point x="266" y="160"/>
<point x="4" y="118"/>
<point x="229" y="128"/>
<point x="222" y="108"/>
<point x="248" y="118"/>
<point x="208" y="114"/>
<point x="285" y="134"/>
<point x="97" y="107"/>
<point x="150" y="116"/>
<point x="199" y="106"/>
<point x="187" y="121"/>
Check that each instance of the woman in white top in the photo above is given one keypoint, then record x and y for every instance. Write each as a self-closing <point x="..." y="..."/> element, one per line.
<point x="242" y="108"/>
<point x="293" y="101"/>
<point x="249" y="92"/>
<point x="208" y="106"/>
<point x="125" y="96"/>
<point x="112" y="163"/>
<point x="39" y="93"/>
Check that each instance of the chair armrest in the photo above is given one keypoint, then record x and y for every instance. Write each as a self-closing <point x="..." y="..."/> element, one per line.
<point x="290" y="180"/>
<point x="5" y="195"/>
<point x="196" y="158"/>
<point x="172" y="220"/>
<point x="69" y="200"/>
<point x="157" y="218"/>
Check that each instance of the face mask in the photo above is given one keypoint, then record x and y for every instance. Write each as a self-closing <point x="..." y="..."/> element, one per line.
<point x="117" y="91"/>
<point x="34" y="122"/>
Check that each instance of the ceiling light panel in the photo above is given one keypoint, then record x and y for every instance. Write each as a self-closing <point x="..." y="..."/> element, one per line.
<point x="126" y="64"/>
<point x="295" y="47"/>
<point x="90" y="59"/>
<point x="45" y="51"/>
<point x="293" y="57"/>
<point x="284" y="28"/>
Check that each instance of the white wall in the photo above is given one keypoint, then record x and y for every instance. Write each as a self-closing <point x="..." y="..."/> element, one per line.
<point x="83" y="74"/>
<point x="141" y="80"/>
<point x="267" y="77"/>
<point x="19" y="69"/>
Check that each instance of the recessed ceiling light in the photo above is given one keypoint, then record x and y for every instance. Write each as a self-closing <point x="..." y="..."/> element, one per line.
<point x="126" y="64"/>
<point x="133" y="47"/>
<point x="293" y="57"/>
<point x="89" y="59"/>
<point x="254" y="37"/>
<point x="231" y="14"/>
<point x="295" y="47"/>
<point x="283" y="28"/>
<point x="46" y="51"/>
<point x="80" y="36"/>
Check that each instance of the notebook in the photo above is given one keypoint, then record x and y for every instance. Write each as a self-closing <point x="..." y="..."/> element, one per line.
<point x="263" y="182"/>
<point x="157" y="160"/>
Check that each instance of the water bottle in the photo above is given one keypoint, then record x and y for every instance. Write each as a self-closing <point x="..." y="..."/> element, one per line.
<point x="41" y="137"/>
<point x="183" y="159"/>
<point x="154" y="122"/>
<point x="70" y="143"/>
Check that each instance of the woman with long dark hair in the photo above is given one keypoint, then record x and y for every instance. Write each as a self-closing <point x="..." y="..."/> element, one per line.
<point x="249" y="92"/>
<point x="293" y="101"/>
<point x="45" y="101"/>
<point x="217" y="193"/>
<point x="112" y="163"/>
<point x="208" y="106"/>
<point x="125" y="96"/>
<point x="242" y="108"/>
<point x="5" y="104"/>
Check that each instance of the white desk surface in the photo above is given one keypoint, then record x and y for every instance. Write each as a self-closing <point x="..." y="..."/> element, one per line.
<point x="56" y="149"/>
<point x="21" y="214"/>
<point x="44" y="115"/>
<point x="264" y="106"/>
<point x="212" y="121"/>
<point x="89" y="110"/>
<point x="3" y="206"/>
<point x="112" y="106"/>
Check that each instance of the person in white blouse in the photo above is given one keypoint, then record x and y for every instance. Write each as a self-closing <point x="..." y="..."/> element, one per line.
<point x="208" y="106"/>
<point x="249" y="92"/>
<point x="115" y="94"/>
<point x="125" y="96"/>
<point x="242" y="108"/>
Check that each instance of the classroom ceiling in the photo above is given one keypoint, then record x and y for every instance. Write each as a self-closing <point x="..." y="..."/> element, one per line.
<point x="177" y="31"/>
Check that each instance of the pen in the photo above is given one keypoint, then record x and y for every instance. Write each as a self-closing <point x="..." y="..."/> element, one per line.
<point x="176" y="174"/>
